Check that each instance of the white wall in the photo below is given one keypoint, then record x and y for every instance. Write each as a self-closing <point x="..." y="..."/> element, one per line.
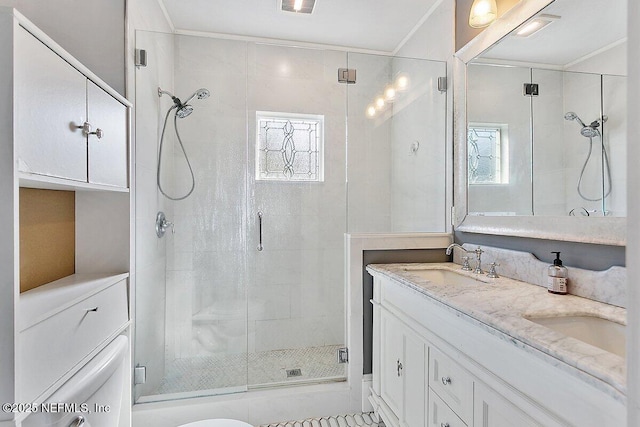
<point x="434" y="39"/>
<point x="418" y="148"/>
<point x="369" y="146"/>
<point x="633" y="235"/>
<point x="611" y="61"/>
<point x="549" y="157"/>
<point x="92" y="31"/>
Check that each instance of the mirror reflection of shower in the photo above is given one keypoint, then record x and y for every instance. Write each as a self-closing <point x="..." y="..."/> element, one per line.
<point x="180" y="110"/>
<point x="592" y="131"/>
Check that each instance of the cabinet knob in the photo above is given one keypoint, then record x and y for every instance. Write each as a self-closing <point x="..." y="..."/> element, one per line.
<point x="99" y="133"/>
<point x="86" y="130"/>
<point x="446" y="380"/>
<point x="399" y="366"/>
<point x="444" y="424"/>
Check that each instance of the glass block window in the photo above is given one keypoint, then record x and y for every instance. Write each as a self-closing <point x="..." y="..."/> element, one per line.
<point x="289" y="147"/>
<point x="487" y="154"/>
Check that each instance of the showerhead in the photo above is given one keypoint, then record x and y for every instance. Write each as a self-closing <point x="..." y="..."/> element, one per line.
<point x="183" y="108"/>
<point x="573" y="116"/>
<point x="184" y="111"/>
<point x="200" y="93"/>
<point x="589" y="131"/>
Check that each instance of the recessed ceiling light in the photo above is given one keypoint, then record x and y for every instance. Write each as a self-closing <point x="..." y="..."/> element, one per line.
<point x="534" y="25"/>
<point x="297" y="6"/>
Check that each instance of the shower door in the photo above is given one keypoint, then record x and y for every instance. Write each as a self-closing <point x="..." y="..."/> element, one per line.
<point x="214" y="313"/>
<point x="249" y="291"/>
<point x="297" y="209"/>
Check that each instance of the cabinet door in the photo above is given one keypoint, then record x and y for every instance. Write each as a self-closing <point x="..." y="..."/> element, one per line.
<point x="415" y="379"/>
<point x="107" y="154"/>
<point x="492" y="410"/>
<point x="392" y="363"/>
<point x="49" y="100"/>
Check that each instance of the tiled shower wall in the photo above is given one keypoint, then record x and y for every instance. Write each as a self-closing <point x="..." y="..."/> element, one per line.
<point x="295" y="286"/>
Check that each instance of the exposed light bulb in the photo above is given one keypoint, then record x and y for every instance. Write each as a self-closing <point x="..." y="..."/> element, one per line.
<point x="402" y="82"/>
<point x="371" y="111"/>
<point x="297" y="5"/>
<point x="379" y="102"/>
<point x="389" y="93"/>
<point x="483" y="13"/>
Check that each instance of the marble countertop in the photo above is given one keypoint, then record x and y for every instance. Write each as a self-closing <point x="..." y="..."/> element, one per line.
<point x="502" y="304"/>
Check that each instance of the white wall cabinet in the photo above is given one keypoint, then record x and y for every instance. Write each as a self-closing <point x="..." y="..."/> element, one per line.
<point x="50" y="332"/>
<point x="53" y="101"/>
<point x="468" y="377"/>
<point x="49" y="95"/>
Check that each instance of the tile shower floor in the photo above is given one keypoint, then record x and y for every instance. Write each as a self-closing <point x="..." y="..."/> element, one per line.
<point x="263" y="368"/>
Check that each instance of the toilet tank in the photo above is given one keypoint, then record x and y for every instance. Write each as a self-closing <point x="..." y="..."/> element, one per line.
<point x="93" y="393"/>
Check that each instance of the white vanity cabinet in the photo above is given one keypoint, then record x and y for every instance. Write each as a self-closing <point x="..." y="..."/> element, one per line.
<point x="492" y="410"/>
<point x="403" y="356"/>
<point x="53" y="102"/>
<point x="469" y="375"/>
<point x="53" y="325"/>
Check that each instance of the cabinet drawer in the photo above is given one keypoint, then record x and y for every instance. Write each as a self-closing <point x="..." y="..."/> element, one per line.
<point x="52" y="347"/>
<point x="440" y="415"/>
<point x="452" y="383"/>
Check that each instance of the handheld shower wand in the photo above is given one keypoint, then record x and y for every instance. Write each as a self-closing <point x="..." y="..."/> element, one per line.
<point x="591" y="131"/>
<point x="183" y="109"/>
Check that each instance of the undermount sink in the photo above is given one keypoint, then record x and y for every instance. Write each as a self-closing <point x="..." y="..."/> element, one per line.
<point x="596" y="331"/>
<point x="445" y="277"/>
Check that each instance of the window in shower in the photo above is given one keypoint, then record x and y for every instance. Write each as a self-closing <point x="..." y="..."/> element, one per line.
<point x="289" y="147"/>
<point x="488" y="154"/>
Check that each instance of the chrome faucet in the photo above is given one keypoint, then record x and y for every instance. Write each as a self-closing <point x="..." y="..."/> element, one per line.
<point x="465" y="259"/>
<point x="478" y="251"/>
<point x="478" y="269"/>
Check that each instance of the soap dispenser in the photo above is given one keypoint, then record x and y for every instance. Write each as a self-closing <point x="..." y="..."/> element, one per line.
<point x="557" y="276"/>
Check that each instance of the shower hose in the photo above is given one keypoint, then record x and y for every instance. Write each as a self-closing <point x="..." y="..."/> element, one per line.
<point x="193" y="179"/>
<point x="586" y="162"/>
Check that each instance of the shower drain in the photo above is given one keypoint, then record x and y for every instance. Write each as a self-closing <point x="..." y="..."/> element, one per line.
<point x="294" y="373"/>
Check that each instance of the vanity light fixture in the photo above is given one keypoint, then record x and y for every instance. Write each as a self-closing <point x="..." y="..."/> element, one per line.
<point x="534" y="25"/>
<point x="483" y="13"/>
<point x="297" y="6"/>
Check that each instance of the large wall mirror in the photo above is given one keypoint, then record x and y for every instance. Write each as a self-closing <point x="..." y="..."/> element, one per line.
<point x="541" y="123"/>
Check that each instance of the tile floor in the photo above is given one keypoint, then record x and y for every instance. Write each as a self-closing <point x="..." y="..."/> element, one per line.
<point x="264" y="368"/>
<point x="355" y="420"/>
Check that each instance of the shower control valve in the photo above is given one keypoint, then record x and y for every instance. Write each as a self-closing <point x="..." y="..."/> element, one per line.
<point x="162" y="224"/>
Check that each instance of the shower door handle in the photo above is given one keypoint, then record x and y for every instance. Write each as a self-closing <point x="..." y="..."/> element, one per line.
<point x="260" y="247"/>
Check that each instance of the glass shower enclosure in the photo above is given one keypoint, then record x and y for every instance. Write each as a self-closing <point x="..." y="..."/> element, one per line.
<point x="249" y="292"/>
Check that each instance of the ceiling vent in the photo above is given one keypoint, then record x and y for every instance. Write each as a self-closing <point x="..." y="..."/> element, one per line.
<point x="297" y="6"/>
